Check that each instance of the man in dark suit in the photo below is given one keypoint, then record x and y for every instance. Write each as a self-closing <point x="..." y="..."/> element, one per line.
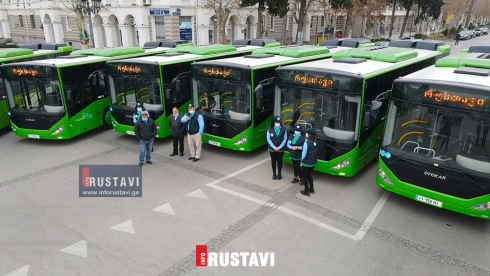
<point x="177" y="128"/>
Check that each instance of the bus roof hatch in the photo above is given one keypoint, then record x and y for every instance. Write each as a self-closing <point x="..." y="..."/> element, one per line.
<point x="15" y="52"/>
<point x="379" y="54"/>
<point x="203" y="50"/>
<point x="109" y="52"/>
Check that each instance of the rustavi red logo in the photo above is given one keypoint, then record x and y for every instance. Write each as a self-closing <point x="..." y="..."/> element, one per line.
<point x="201" y="255"/>
<point x="85" y="176"/>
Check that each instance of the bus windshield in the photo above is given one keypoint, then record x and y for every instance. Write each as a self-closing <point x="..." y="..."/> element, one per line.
<point x="440" y="125"/>
<point x="333" y="115"/>
<point x="223" y="99"/>
<point x="35" y="94"/>
<point x="127" y="90"/>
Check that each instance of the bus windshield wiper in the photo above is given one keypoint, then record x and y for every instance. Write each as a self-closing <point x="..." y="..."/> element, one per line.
<point x="475" y="181"/>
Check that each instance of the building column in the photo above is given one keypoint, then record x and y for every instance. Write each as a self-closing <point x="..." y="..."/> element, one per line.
<point x="111" y="35"/>
<point x="127" y="35"/>
<point x="4" y="24"/>
<point x="98" y="36"/>
<point x="202" y="35"/>
<point x="143" y="34"/>
<point x="48" y="32"/>
<point x="59" y="35"/>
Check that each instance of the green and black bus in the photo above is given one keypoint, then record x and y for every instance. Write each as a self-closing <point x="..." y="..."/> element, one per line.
<point x="434" y="149"/>
<point x="345" y="99"/>
<point x="63" y="97"/>
<point x="236" y="95"/>
<point x="28" y="52"/>
<point x="162" y="82"/>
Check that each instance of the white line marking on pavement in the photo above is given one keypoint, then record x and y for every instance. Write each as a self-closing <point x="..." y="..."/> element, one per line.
<point x="372" y="216"/>
<point x="318" y="223"/>
<point x="165" y="208"/>
<point x="126" y="226"/>
<point x="281" y="208"/>
<point x="78" y="249"/>
<point x="197" y="193"/>
<point x="19" y="272"/>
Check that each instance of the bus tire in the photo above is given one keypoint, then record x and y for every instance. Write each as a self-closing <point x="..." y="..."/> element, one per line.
<point x="106" y="119"/>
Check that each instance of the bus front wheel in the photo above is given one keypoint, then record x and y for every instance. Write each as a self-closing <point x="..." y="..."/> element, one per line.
<point x="106" y="120"/>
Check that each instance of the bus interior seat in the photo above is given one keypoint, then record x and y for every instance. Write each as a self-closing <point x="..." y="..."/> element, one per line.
<point x="54" y="109"/>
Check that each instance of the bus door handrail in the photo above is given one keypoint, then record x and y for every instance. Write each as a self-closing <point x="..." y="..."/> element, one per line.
<point x="407" y="142"/>
<point x="303" y="122"/>
<point x="416" y="150"/>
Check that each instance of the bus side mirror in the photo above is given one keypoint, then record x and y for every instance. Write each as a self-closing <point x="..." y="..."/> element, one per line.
<point x="258" y="97"/>
<point x="366" y="120"/>
<point x="177" y="85"/>
<point x="375" y="105"/>
<point x="68" y="97"/>
<point x="167" y="93"/>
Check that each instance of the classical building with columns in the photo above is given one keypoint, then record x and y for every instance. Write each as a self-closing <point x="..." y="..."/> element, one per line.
<point x="134" y="22"/>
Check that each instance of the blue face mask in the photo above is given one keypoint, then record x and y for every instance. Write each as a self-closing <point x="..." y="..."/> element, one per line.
<point x="192" y="112"/>
<point x="297" y="133"/>
<point x="278" y="125"/>
<point x="139" y="109"/>
<point x="145" y="119"/>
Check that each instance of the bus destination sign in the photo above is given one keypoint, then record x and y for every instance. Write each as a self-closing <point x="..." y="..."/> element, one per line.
<point x="453" y="97"/>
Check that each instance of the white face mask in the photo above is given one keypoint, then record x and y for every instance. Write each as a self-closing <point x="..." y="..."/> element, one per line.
<point x="306" y="135"/>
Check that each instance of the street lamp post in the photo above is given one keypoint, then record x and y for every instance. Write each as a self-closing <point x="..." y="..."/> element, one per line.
<point x="87" y="9"/>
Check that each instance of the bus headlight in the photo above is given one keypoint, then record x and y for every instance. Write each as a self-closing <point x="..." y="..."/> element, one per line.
<point x="384" y="176"/>
<point x="342" y="164"/>
<point x="8" y="113"/>
<point x="158" y="126"/>
<point x="58" y="130"/>
<point x="482" y="206"/>
<point x="241" y="140"/>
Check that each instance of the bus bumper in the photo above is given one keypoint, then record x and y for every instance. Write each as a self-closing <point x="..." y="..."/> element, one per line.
<point x="129" y="130"/>
<point x="448" y="202"/>
<point x="59" y="131"/>
<point x="237" y="143"/>
<point x="326" y="166"/>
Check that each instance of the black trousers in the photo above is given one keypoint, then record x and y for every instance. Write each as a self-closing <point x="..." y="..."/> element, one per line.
<point x="276" y="158"/>
<point x="307" y="178"/>
<point x="178" y="141"/>
<point x="297" y="168"/>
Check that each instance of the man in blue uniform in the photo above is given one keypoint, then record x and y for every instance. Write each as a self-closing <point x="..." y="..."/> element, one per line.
<point x="295" y="145"/>
<point x="195" y="128"/>
<point x="308" y="161"/>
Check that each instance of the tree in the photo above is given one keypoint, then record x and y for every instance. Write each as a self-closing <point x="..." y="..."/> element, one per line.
<point x="300" y="16"/>
<point x="374" y="14"/>
<point x="279" y="8"/>
<point x="342" y="7"/>
<point x="274" y="8"/>
<point x="407" y="4"/>
<point x="393" y="2"/>
<point x="222" y="10"/>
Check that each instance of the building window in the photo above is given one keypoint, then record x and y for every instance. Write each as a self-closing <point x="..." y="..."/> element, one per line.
<point x="311" y="22"/>
<point x="211" y="41"/>
<point x="159" y="27"/>
<point x="322" y="21"/>
<point x="68" y="22"/>
<point x="33" y="22"/>
<point x="272" y="23"/>
<point x="21" y="22"/>
<point x="287" y="22"/>
<point x="12" y="22"/>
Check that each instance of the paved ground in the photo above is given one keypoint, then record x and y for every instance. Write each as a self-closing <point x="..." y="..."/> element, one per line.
<point x="227" y="201"/>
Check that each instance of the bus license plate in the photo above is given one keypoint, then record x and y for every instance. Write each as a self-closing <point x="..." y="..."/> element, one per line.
<point x="214" y="143"/>
<point x="428" y="201"/>
<point x="33" y="136"/>
<point x="130" y="132"/>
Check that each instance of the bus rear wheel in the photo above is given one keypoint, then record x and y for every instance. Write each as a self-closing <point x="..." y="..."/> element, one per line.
<point x="106" y="120"/>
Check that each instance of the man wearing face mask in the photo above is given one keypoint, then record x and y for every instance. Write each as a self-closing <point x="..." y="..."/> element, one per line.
<point x="276" y="138"/>
<point x="295" y="145"/>
<point x="177" y="128"/>
<point x="145" y="131"/>
<point x="308" y="161"/>
<point x="195" y="127"/>
<point x="137" y="112"/>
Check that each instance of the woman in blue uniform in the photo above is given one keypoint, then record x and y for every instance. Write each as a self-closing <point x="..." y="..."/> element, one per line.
<point x="276" y="139"/>
<point x="295" y="145"/>
<point x="138" y="109"/>
<point x="309" y="160"/>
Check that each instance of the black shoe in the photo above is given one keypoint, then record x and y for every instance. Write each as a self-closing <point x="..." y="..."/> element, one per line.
<point x="301" y="182"/>
<point x="141" y="164"/>
<point x="173" y="154"/>
<point x="149" y="162"/>
<point x="294" y="180"/>
<point x="279" y="177"/>
<point x="196" y="159"/>
<point x="181" y="154"/>
<point x="190" y="158"/>
<point x="274" y="177"/>
<point x="303" y="192"/>
<point x="312" y="191"/>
